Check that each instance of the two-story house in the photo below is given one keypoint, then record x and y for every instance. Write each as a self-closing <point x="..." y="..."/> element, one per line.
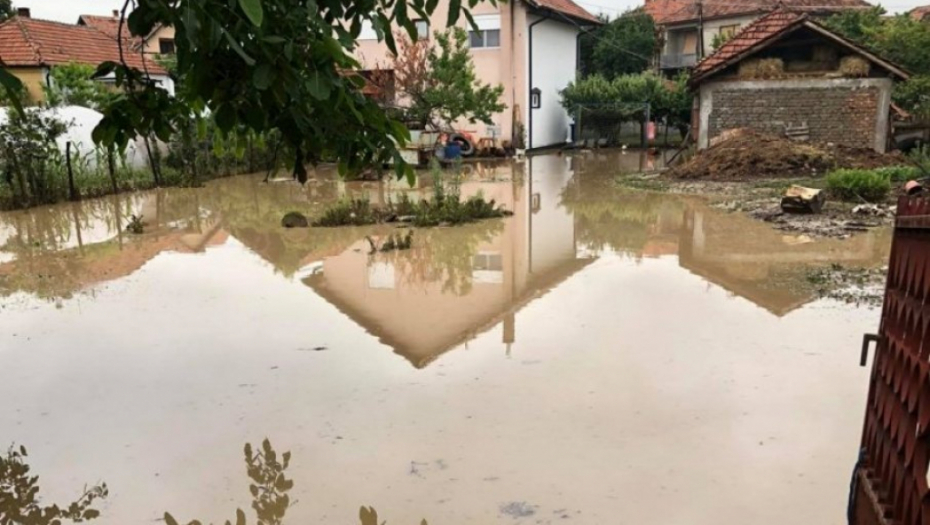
<point x="528" y="46"/>
<point x="688" y="28"/>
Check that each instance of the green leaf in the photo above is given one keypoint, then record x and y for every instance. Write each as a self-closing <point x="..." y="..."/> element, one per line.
<point x="263" y="77"/>
<point x="104" y="69"/>
<point x="240" y="517"/>
<point x="319" y="85"/>
<point x="455" y="7"/>
<point x="238" y="49"/>
<point x="253" y="10"/>
<point x="169" y="519"/>
<point x="274" y="39"/>
<point x="225" y="117"/>
<point x="471" y="20"/>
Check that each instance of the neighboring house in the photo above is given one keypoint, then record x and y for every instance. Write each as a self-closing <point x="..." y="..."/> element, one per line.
<point x="688" y="27"/>
<point x="159" y="42"/>
<point x="528" y="46"/>
<point x="921" y="13"/>
<point x="30" y="47"/>
<point x="786" y="71"/>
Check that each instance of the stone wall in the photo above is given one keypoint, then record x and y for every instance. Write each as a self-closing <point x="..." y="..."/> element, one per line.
<point x="851" y="112"/>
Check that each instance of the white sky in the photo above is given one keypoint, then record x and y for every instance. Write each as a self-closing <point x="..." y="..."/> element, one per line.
<point x="68" y="10"/>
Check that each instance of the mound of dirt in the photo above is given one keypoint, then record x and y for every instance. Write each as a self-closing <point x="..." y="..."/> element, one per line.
<point x="749" y="155"/>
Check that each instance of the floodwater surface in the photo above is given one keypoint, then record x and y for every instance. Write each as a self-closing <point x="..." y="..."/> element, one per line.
<point x="603" y="356"/>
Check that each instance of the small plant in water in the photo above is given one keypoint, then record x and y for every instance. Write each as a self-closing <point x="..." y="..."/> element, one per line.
<point x="135" y="226"/>
<point x="445" y="209"/>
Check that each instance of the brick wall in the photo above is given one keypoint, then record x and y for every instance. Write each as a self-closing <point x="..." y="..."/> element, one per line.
<point x="840" y="114"/>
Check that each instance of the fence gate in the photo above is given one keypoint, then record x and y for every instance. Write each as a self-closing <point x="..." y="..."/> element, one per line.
<point x="890" y="482"/>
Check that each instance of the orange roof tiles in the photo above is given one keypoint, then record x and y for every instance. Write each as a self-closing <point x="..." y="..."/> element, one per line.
<point x="666" y="12"/>
<point x="108" y="25"/>
<point x="30" y="42"/>
<point x="569" y="8"/>
<point x="749" y="37"/>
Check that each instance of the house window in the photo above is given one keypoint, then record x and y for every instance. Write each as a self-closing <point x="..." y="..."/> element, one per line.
<point x="166" y="46"/>
<point x="422" y="29"/>
<point x="729" y="31"/>
<point x="488" y="34"/>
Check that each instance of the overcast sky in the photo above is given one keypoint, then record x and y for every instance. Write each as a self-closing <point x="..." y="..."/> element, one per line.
<point x="68" y="10"/>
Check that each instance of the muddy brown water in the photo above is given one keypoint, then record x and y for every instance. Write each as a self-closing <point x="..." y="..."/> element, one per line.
<point x="603" y="356"/>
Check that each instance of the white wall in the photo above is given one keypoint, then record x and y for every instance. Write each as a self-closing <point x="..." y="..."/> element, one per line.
<point x="552" y="226"/>
<point x="553" y="66"/>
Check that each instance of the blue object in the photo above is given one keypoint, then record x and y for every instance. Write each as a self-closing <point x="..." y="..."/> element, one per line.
<point x="453" y="151"/>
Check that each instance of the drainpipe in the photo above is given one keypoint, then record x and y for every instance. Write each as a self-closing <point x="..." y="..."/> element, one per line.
<point x="529" y="109"/>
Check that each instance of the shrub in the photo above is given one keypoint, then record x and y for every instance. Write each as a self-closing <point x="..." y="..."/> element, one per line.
<point x="900" y="173"/>
<point x="855" y="185"/>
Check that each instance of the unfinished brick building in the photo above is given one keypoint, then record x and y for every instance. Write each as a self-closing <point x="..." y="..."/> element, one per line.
<point x="787" y="75"/>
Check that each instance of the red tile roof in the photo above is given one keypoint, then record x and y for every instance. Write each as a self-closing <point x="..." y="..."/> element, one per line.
<point x="108" y="25"/>
<point x="567" y="7"/>
<point x="920" y="13"/>
<point x="666" y="12"/>
<point x="26" y="42"/>
<point x="766" y="30"/>
<point x="749" y="37"/>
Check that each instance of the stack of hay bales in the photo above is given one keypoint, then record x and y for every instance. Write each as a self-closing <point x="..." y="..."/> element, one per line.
<point x="761" y="68"/>
<point x="854" y="66"/>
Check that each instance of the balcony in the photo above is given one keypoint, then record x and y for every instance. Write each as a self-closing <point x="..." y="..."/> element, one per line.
<point x="677" y="61"/>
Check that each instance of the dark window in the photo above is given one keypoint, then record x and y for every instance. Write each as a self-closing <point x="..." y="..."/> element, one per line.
<point x="485" y="38"/>
<point x="166" y="46"/>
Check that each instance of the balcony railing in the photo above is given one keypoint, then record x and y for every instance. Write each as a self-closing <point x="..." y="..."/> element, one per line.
<point x="677" y="61"/>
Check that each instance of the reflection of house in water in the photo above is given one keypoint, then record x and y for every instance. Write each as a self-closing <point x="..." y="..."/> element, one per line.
<point x="763" y="265"/>
<point x="458" y="282"/>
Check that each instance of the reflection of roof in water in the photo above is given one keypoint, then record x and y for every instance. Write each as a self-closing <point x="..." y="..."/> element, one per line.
<point x="537" y="287"/>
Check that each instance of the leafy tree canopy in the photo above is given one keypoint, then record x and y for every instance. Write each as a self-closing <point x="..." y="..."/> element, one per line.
<point x="6" y="10"/>
<point x="263" y="65"/>
<point x="73" y="85"/>
<point x="622" y="46"/>
<point x="902" y="40"/>
<point x="441" y="82"/>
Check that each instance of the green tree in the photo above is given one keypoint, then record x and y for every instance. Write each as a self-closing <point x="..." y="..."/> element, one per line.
<point x="451" y="90"/>
<point x="625" y="45"/>
<point x="6" y="10"/>
<point x="902" y="40"/>
<point x="267" y="65"/>
<point x="73" y="85"/>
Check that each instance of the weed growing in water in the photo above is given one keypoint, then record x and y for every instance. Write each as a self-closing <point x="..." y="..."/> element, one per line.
<point x="135" y="225"/>
<point x="445" y="208"/>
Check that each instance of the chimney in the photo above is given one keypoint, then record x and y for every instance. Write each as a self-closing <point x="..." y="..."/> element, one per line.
<point x="116" y="13"/>
<point x="23" y="12"/>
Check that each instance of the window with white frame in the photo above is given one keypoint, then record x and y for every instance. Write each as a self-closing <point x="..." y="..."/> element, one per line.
<point x="422" y="29"/>
<point x="488" y="34"/>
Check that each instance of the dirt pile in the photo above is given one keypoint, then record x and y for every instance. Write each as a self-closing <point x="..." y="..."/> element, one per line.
<point x="749" y="155"/>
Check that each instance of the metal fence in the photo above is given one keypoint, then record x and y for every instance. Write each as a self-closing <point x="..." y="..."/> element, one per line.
<point x="890" y="482"/>
<point x="604" y="126"/>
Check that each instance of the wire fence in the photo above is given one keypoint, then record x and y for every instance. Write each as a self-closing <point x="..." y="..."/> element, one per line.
<point x="613" y="125"/>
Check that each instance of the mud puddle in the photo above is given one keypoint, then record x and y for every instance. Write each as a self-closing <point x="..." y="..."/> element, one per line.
<point x="598" y="356"/>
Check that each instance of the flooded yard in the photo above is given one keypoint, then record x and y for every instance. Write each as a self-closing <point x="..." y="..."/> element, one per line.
<point x="603" y="356"/>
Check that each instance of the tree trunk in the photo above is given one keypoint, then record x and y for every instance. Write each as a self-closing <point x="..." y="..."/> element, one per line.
<point x="111" y="167"/>
<point x="72" y="191"/>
